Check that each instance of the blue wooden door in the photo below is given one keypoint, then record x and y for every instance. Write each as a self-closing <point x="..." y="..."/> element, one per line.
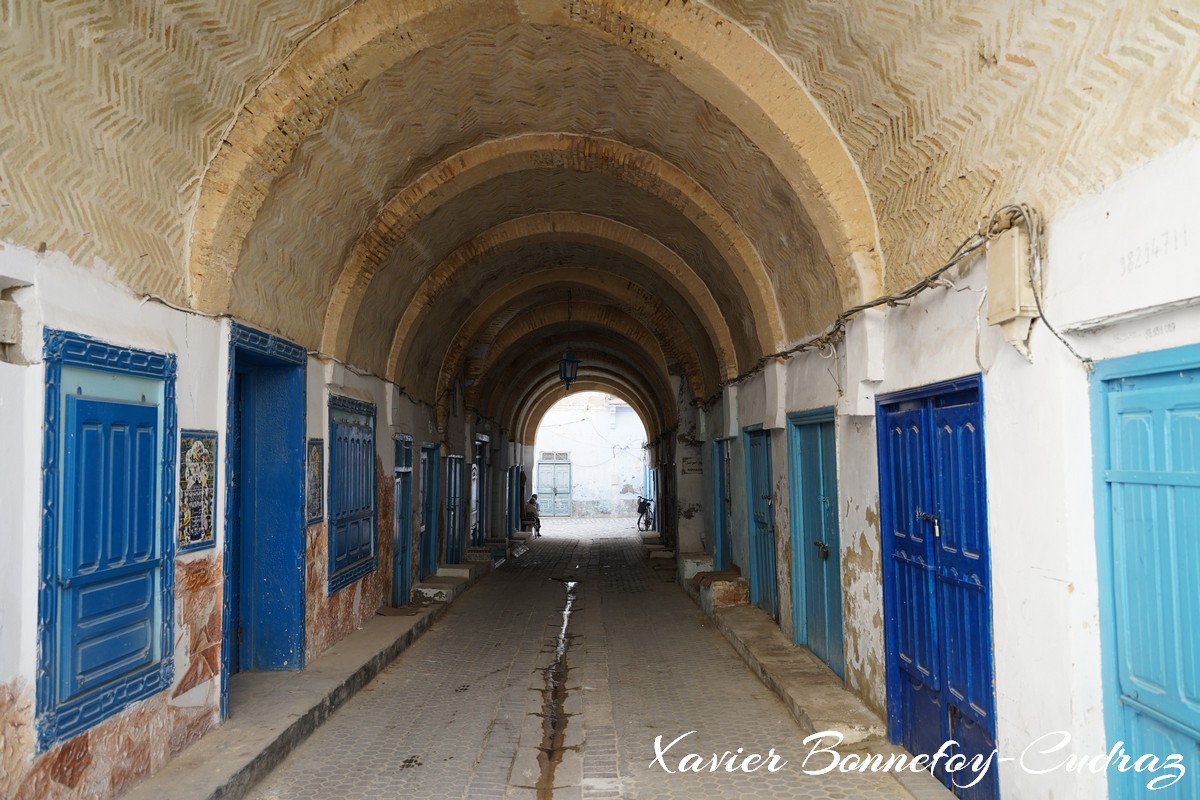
<point x="764" y="587"/>
<point x="937" y="582"/>
<point x="816" y="543"/>
<point x="1152" y="477"/>
<point x="352" y="493"/>
<point x="402" y="527"/>
<point x="429" y="511"/>
<point x="111" y="562"/>
<point x="723" y="501"/>
<point x="235" y="645"/>
<point x="454" y="509"/>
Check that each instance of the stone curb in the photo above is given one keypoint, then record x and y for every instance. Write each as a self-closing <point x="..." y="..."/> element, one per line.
<point x="226" y="764"/>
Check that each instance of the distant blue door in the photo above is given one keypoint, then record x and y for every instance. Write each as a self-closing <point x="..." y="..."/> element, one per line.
<point x="430" y="504"/>
<point x="764" y="585"/>
<point x="454" y="509"/>
<point x="722" y="505"/>
<point x="402" y="527"/>
<point x="111" y="564"/>
<point x="1150" y="457"/>
<point x="937" y="593"/>
<point x="816" y="543"/>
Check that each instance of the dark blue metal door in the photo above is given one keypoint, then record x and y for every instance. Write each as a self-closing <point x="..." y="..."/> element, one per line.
<point x="936" y="576"/>
<point x="429" y="510"/>
<point x="764" y="586"/>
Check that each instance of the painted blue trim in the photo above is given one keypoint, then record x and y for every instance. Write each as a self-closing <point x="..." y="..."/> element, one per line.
<point x="351" y="405"/>
<point x="265" y="344"/>
<point x="211" y="543"/>
<point x="360" y="569"/>
<point x="1106" y="372"/>
<point x="59" y="721"/>
<point x="929" y="390"/>
<point x="825" y="414"/>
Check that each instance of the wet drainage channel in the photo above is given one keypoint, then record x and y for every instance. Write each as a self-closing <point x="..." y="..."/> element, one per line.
<point x="554" y="699"/>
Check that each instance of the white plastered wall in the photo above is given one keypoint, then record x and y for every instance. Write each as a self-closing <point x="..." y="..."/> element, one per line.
<point x="86" y="300"/>
<point x="1123" y="273"/>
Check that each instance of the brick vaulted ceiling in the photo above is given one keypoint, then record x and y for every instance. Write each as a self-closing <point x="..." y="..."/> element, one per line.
<point x="362" y="177"/>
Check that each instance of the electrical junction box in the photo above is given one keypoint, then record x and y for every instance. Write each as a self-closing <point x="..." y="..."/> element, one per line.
<point x="1011" y="303"/>
<point x="1009" y="292"/>
<point x="10" y="322"/>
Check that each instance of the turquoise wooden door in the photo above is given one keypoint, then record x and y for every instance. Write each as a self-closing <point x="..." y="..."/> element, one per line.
<point x="428" y="525"/>
<point x="764" y="586"/>
<point x="454" y="509"/>
<point x="816" y="543"/>
<point x="722" y="505"/>
<point x="1149" y="454"/>
<point x="402" y="526"/>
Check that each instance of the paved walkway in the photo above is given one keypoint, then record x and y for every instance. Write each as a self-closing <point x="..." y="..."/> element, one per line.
<point x="464" y="712"/>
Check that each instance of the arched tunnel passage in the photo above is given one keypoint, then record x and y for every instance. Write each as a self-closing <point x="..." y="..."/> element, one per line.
<point x="323" y="259"/>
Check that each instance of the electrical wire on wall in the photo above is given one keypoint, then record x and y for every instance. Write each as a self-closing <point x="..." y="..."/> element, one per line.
<point x="998" y="223"/>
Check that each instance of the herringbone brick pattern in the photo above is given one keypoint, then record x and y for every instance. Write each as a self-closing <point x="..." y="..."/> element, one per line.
<point x="493" y="85"/>
<point x="109" y="113"/>
<point x="953" y="108"/>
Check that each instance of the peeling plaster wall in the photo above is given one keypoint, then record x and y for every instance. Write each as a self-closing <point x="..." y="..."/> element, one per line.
<point x="329" y="617"/>
<point x="114" y="755"/>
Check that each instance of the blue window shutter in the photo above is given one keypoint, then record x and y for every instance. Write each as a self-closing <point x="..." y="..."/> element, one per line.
<point x="352" y="500"/>
<point x="111" y="572"/>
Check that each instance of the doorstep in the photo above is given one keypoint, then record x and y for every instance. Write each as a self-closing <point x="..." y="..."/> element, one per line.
<point x="812" y="693"/>
<point x="271" y="713"/>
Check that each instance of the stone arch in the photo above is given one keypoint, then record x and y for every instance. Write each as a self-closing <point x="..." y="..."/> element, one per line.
<point x="706" y="51"/>
<point x="526" y="425"/>
<point x="665" y="327"/>
<point x="474" y="166"/>
<point x="503" y="394"/>
<point x="601" y="231"/>
<point x="584" y="315"/>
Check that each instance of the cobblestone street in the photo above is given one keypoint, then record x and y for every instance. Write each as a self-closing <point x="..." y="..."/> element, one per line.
<point x="461" y="714"/>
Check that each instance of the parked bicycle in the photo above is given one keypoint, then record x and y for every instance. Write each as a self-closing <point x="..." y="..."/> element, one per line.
<point x="645" y="514"/>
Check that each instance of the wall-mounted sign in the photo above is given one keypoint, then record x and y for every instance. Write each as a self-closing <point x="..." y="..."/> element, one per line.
<point x="314" y="480"/>
<point x="691" y="465"/>
<point x="197" y="490"/>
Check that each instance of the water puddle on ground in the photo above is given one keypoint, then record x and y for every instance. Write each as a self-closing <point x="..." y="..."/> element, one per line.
<point x="554" y="699"/>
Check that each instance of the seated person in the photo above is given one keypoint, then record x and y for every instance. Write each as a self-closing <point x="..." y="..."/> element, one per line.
<point x="532" y="515"/>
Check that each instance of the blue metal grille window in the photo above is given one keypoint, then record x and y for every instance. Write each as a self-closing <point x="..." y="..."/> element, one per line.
<point x="352" y="487"/>
<point x="107" y="582"/>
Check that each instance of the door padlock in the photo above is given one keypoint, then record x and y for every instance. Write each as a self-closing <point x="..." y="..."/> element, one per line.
<point x="937" y="529"/>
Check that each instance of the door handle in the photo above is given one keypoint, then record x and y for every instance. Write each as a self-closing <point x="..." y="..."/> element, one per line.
<point x="822" y="548"/>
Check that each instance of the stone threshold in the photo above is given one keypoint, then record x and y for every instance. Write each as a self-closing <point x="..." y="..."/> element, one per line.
<point x="271" y="713"/>
<point x="814" y="696"/>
